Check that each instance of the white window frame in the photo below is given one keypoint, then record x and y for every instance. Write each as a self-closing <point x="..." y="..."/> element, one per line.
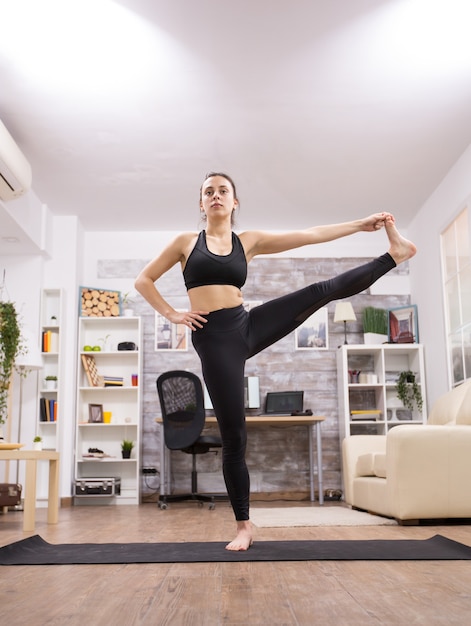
<point x="455" y="248"/>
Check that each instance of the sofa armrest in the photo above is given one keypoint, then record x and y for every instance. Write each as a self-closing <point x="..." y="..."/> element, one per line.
<point x="428" y="471"/>
<point x="352" y="448"/>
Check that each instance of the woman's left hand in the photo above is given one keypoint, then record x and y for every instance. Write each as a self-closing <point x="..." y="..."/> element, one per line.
<point x="375" y="221"/>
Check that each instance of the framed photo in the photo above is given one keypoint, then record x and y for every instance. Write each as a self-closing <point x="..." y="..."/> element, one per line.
<point x="95" y="302"/>
<point x="169" y="336"/>
<point x="403" y="324"/>
<point x="312" y="334"/>
<point x="95" y="413"/>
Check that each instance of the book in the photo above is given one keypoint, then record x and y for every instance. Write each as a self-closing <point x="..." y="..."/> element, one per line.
<point x="113" y="381"/>
<point x="42" y="410"/>
<point x="366" y="415"/>
<point x="46" y="341"/>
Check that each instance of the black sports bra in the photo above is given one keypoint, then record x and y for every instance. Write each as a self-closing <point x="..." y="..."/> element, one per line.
<point x="206" y="268"/>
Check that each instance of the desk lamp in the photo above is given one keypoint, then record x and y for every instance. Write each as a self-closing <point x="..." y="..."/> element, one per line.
<point x="344" y="313"/>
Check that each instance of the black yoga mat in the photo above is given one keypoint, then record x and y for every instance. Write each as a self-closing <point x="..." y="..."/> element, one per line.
<point x="36" y="551"/>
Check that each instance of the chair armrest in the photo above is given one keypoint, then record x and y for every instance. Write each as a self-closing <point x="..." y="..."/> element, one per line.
<point x="352" y="448"/>
<point x="428" y="470"/>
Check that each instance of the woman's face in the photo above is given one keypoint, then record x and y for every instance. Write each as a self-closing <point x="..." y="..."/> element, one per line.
<point x="217" y="197"/>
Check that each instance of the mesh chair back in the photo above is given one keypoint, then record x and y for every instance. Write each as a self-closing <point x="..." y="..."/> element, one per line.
<point x="182" y="404"/>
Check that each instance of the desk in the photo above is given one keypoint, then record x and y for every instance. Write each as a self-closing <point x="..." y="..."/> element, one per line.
<point x="310" y="421"/>
<point x="32" y="457"/>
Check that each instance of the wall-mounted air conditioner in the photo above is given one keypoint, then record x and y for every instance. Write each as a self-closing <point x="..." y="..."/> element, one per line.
<point x="15" y="171"/>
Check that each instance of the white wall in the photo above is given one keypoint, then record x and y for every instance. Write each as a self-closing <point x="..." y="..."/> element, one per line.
<point x="23" y="277"/>
<point x="439" y="210"/>
<point x="26" y="276"/>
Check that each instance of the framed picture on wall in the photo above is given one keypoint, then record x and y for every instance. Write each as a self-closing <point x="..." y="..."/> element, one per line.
<point x="312" y="334"/>
<point x="403" y="325"/>
<point x="169" y="336"/>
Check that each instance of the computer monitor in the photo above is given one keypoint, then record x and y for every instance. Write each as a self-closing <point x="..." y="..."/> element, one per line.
<point x="284" y="402"/>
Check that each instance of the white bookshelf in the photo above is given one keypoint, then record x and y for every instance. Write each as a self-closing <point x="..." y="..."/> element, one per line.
<point x="51" y="316"/>
<point x="367" y="376"/>
<point x="124" y="403"/>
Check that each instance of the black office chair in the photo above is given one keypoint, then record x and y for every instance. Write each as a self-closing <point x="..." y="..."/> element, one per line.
<point x="183" y="414"/>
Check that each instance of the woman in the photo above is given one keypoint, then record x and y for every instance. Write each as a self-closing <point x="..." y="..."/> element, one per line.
<point x="214" y="264"/>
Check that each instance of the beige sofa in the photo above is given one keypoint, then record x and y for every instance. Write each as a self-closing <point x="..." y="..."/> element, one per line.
<point x="415" y="472"/>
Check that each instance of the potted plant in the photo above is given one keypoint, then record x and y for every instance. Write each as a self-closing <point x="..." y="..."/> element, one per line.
<point x="127" y="301"/>
<point x="408" y="390"/>
<point x="10" y="348"/>
<point x="375" y="325"/>
<point x="104" y="344"/>
<point x="126" y="448"/>
<point x="37" y="443"/>
<point x="51" y="382"/>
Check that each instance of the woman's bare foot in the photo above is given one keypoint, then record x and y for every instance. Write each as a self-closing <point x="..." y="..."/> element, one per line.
<point x="243" y="539"/>
<point x="401" y="248"/>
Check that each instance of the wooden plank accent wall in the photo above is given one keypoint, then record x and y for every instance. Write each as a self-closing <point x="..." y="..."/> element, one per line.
<point x="278" y="461"/>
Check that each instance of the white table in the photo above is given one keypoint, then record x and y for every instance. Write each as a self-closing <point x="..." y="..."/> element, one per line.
<point x="32" y="457"/>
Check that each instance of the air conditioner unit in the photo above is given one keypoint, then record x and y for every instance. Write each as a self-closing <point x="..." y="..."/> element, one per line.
<point x="15" y="171"/>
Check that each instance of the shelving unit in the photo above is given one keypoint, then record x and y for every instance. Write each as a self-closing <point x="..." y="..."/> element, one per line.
<point x="50" y="337"/>
<point x="367" y="376"/>
<point x="124" y="403"/>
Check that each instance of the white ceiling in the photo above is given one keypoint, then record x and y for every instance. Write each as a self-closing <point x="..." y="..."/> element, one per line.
<point x="322" y="110"/>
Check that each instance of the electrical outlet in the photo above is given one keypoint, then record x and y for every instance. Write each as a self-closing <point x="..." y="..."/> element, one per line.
<point x="149" y="470"/>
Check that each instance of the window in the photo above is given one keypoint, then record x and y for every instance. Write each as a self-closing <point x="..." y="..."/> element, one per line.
<point x="456" y="263"/>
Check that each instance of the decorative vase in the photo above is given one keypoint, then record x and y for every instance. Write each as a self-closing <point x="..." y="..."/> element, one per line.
<point x="374" y="338"/>
<point x="128" y="312"/>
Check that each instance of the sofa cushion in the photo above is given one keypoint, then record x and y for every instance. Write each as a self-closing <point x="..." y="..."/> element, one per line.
<point x="365" y="465"/>
<point x="447" y="408"/>
<point x="463" y="415"/>
<point x="379" y="465"/>
<point x="371" y="464"/>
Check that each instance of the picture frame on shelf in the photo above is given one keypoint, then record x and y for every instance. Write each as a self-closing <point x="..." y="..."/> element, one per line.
<point x="95" y="413"/>
<point x="169" y="337"/>
<point x="403" y="324"/>
<point x="313" y="334"/>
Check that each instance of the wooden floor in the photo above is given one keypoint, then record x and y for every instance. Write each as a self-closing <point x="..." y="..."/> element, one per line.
<point x="322" y="593"/>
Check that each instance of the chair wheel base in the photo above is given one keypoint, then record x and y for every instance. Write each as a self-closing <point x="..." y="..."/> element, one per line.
<point x="199" y="498"/>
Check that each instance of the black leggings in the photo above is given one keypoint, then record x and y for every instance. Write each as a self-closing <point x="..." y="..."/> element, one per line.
<point x="231" y="336"/>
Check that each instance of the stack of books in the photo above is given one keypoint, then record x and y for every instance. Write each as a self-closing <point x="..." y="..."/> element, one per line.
<point x="50" y="341"/>
<point x="113" y="381"/>
<point x="47" y="410"/>
<point x="366" y="415"/>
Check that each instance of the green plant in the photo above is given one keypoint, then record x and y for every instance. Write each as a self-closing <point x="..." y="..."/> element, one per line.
<point x="126" y="298"/>
<point x="375" y="320"/>
<point x="103" y="341"/>
<point x="51" y="378"/>
<point x="37" y="439"/>
<point x="10" y="347"/>
<point x="127" y="445"/>
<point x="408" y="390"/>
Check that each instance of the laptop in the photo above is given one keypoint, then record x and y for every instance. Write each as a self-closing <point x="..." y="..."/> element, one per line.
<point x="283" y="402"/>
